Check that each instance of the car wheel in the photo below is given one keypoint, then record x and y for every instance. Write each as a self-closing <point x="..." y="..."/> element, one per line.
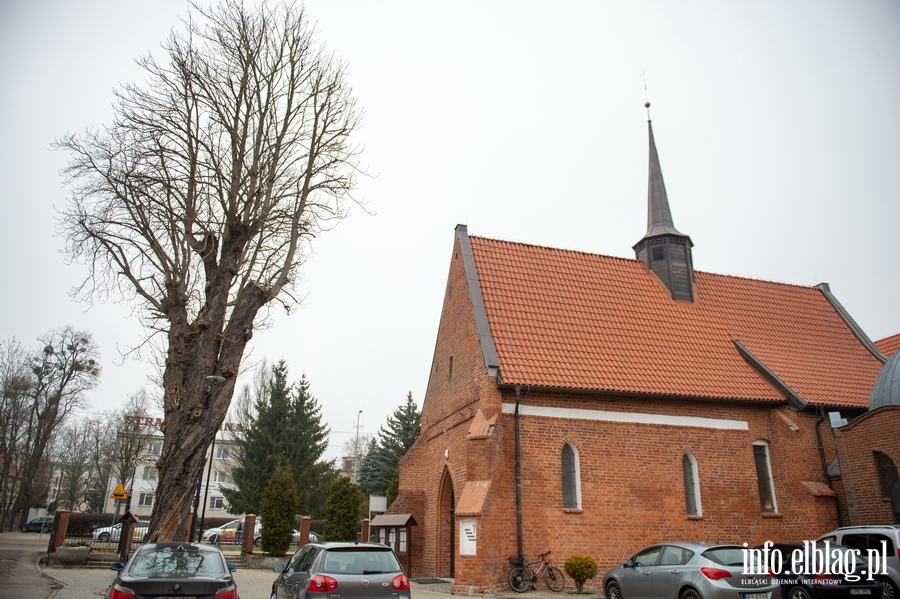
<point x="24" y="528"/>
<point x="104" y="537"/>
<point x="889" y="589"/>
<point x="799" y="593"/>
<point x="690" y="594"/>
<point x="612" y="590"/>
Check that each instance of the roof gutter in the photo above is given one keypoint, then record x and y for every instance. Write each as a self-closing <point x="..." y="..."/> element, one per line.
<point x="615" y="393"/>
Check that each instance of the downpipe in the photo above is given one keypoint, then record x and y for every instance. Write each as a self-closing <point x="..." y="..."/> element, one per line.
<point x="520" y="531"/>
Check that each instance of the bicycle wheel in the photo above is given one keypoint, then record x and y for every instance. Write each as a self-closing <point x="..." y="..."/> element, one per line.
<point x="519" y="579"/>
<point x="555" y="579"/>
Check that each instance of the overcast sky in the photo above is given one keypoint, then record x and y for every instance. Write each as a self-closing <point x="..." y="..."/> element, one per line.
<point x="776" y="122"/>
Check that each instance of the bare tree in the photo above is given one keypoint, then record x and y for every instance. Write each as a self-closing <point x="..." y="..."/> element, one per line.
<point x="199" y="201"/>
<point x="60" y="373"/>
<point x="130" y="434"/>
<point x="74" y="452"/>
<point x="15" y="408"/>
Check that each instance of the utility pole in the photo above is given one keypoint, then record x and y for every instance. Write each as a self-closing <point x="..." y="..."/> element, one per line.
<point x="355" y="477"/>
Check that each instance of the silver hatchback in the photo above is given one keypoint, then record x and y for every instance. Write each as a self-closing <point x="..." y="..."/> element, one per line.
<point x="687" y="571"/>
<point x="345" y="570"/>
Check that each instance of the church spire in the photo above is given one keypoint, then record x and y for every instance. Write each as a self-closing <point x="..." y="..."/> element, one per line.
<point x="659" y="217"/>
<point x="664" y="249"/>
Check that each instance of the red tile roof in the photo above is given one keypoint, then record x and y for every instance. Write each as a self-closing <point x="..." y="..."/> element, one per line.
<point x="574" y="320"/>
<point x="888" y="345"/>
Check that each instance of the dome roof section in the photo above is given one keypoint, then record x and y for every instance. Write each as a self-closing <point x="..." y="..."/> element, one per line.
<point x="886" y="391"/>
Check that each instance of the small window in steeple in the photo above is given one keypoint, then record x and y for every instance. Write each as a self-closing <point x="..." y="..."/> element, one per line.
<point x="658" y="253"/>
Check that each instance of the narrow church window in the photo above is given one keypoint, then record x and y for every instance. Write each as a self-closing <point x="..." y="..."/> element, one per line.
<point x="887" y="473"/>
<point x="571" y="486"/>
<point x="764" y="477"/>
<point x="450" y="370"/>
<point x="691" y="485"/>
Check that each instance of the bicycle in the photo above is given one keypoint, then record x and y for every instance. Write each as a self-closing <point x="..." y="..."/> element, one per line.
<point x="522" y="576"/>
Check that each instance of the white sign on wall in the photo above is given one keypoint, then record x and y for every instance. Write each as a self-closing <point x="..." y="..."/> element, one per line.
<point x="468" y="537"/>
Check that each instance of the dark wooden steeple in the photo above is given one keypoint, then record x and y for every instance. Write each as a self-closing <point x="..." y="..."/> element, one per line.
<point x="664" y="249"/>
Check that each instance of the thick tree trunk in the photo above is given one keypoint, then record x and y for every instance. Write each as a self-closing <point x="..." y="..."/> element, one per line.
<point x="192" y="357"/>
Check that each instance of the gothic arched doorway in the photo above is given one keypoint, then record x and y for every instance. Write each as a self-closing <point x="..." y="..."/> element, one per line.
<point x="446" y="525"/>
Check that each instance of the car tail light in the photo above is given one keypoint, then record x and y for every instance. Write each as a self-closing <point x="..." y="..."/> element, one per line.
<point x="715" y="573"/>
<point x="121" y="593"/>
<point x="229" y="593"/>
<point x="400" y="583"/>
<point x="321" y="584"/>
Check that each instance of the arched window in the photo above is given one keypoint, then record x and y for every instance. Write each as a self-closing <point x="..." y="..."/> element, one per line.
<point x="764" y="477"/>
<point x="571" y="477"/>
<point x="887" y="473"/>
<point x="691" y="485"/>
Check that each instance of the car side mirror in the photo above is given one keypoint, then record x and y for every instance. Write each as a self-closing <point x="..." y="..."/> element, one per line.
<point x="118" y="566"/>
<point x="279" y="568"/>
<point x="629" y="563"/>
<point x="232" y="568"/>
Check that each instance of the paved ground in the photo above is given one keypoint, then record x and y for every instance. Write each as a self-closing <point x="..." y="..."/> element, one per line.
<point x="22" y="577"/>
<point x="252" y="584"/>
<point x="19" y="575"/>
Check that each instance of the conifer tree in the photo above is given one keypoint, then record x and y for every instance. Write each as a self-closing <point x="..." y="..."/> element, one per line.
<point x="284" y="423"/>
<point x="278" y="507"/>
<point x="342" y="511"/>
<point x="394" y="440"/>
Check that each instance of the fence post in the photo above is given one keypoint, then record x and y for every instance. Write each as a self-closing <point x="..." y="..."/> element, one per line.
<point x="249" y="532"/>
<point x="62" y="527"/>
<point x="305" y="526"/>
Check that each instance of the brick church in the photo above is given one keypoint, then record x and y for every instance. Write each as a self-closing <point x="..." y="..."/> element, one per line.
<point x="588" y="404"/>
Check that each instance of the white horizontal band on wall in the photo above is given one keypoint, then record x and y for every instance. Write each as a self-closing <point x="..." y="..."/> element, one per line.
<point x="631" y="417"/>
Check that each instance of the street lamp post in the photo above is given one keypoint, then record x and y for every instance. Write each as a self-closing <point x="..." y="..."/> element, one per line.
<point x="212" y="455"/>
<point x="212" y="401"/>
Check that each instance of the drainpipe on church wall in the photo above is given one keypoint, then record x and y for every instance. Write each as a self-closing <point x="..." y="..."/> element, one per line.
<point x="821" y="447"/>
<point x="519" y="519"/>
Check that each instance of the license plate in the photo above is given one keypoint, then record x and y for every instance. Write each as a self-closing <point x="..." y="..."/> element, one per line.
<point x="860" y="591"/>
<point x="175" y="597"/>
<point x="756" y="596"/>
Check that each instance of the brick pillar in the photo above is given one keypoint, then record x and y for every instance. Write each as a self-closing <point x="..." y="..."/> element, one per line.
<point x="62" y="527"/>
<point x="364" y="530"/>
<point x="249" y="532"/>
<point x="305" y="525"/>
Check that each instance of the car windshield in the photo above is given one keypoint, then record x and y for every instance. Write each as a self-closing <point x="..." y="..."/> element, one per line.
<point x="353" y="560"/>
<point x="726" y="556"/>
<point x="176" y="561"/>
